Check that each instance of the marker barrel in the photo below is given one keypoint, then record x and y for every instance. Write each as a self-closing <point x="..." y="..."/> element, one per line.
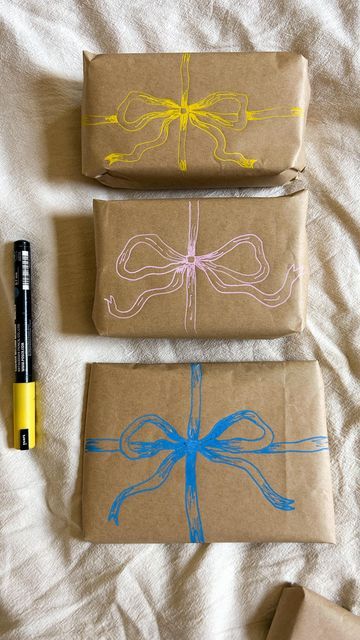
<point x="23" y="346"/>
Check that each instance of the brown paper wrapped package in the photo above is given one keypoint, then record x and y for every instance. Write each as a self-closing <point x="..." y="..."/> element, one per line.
<point x="215" y="267"/>
<point x="175" y="120"/>
<point x="212" y="452"/>
<point x="304" y="615"/>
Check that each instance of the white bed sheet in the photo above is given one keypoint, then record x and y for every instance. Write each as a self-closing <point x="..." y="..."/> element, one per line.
<point x="53" y="584"/>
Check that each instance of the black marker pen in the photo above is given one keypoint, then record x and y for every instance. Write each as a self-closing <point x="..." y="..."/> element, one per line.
<point x="24" y="386"/>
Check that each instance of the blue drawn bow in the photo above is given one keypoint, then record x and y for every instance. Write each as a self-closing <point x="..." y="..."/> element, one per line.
<point x="212" y="446"/>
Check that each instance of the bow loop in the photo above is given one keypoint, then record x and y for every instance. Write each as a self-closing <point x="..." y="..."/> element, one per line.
<point x="239" y="445"/>
<point x="158" y="246"/>
<point x="210" y="260"/>
<point x="273" y="299"/>
<point x="135" y="449"/>
<point x="230" y="110"/>
<point x="138" y="100"/>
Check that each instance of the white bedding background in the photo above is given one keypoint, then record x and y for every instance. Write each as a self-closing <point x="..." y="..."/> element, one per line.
<point x="53" y="585"/>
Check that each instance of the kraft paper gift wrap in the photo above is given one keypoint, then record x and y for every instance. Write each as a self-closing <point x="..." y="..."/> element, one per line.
<point x="215" y="267"/>
<point x="173" y="120"/>
<point x="304" y="615"/>
<point x="206" y="453"/>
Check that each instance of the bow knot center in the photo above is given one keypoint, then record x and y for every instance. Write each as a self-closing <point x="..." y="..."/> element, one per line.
<point x="190" y="259"/>
<point x="192" y="445"/>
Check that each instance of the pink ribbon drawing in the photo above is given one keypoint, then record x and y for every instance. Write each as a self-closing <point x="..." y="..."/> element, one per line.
<point x="182" y="268"/>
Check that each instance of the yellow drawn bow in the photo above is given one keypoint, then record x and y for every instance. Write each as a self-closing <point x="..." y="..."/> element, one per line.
<point x="216" y="115"/>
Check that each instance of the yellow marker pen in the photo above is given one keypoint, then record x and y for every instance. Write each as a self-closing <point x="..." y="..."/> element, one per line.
<point x="24" y="386"/>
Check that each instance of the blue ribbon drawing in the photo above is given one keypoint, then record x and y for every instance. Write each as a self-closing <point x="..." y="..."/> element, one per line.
<point x="231" y="452"/>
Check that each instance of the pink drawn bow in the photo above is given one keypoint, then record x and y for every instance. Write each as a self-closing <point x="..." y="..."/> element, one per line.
<point x="183" y="269"/>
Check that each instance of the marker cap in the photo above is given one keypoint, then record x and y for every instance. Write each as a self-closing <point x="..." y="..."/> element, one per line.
<point x="24" y="415"/>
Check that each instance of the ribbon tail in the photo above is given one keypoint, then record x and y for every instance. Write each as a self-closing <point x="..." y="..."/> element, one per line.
<point x="220" y="151"/>
<point x="275" y="499"/>
<point x="152" y="483"/>
<point x="175" y="284"/>
<point x="138" y="151"/>
<point x="275" y="299"/>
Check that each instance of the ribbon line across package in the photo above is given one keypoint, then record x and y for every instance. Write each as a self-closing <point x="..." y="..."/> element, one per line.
<point x="162" y="448"/>
<point x="234" y="267"/>
<point x="180" y="120"/>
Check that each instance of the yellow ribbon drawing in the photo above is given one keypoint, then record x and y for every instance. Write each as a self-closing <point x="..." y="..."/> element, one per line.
<point x="216" y="115"/>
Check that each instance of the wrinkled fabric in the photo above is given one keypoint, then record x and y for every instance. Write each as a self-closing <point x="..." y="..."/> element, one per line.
<point x="53" y="584"/>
